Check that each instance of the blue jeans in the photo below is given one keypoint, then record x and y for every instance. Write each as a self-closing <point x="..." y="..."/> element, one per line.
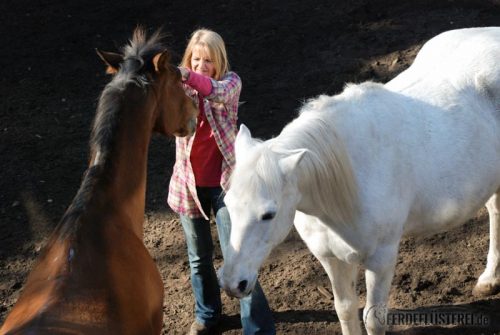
<point x="256" y="316"/>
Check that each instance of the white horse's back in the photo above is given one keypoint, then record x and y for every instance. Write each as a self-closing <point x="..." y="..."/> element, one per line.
<point x="426" y="146"/>
<point x="461" y="59"/>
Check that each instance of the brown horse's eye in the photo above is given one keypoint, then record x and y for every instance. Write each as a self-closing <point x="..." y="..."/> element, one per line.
<point x="177" y="73"/>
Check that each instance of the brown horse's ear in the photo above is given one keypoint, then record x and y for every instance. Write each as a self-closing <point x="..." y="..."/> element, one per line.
<point x="111" y="59"/>
<point x="161" y="61"/>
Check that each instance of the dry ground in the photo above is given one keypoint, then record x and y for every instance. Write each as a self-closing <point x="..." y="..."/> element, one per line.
<point x="286" y="52"/>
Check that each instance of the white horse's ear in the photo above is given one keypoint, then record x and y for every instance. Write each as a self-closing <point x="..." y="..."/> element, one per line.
<point x="244" y="142"/>
<point x="289" y="163"/>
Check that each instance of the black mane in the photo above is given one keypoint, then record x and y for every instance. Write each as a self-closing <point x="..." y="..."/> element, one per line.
<point x="135" y="71"/>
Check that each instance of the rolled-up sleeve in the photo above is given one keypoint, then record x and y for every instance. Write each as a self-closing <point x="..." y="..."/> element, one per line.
<point x="225" y="90"/>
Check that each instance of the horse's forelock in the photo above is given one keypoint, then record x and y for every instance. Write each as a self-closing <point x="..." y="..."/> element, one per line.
<point x="259" y="168"/>
<point x="143" y="48"/>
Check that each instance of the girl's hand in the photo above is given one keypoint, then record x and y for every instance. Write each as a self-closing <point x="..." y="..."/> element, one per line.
<point x="184" y="73"/>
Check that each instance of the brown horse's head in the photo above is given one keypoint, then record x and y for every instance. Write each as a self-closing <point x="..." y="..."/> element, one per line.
<point x="147" y="63"/>
<point x="177" y="112"/>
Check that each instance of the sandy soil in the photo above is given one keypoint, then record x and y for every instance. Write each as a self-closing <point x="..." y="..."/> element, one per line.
<point x="286" y="52"/>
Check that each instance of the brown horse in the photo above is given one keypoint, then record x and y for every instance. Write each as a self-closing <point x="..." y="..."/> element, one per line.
<point x="95" y="275"/>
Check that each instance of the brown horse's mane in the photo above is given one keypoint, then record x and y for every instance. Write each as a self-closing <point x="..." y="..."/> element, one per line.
<point x="134" y="73"/>
<point x="135" y="69"/>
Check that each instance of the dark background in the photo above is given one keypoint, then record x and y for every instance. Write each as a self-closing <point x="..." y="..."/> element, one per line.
<point x="285" y="51"/>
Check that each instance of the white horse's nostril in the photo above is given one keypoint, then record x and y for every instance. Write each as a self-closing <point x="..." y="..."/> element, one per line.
<point x="242" y="286"/>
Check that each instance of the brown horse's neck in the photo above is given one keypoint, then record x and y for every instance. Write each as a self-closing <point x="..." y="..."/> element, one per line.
<point x="112" y="192"/>
<point x="122" y="179"/>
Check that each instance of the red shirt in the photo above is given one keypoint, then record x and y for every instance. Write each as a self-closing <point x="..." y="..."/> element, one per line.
<point x="221" y="109"/>
<point x="206" y="158"/>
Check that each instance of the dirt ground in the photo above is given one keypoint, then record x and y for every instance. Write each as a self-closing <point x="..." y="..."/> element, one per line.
<point x="285" y="52"/>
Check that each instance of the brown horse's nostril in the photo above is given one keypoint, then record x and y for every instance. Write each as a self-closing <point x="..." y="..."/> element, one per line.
<point x="242" y="285"/>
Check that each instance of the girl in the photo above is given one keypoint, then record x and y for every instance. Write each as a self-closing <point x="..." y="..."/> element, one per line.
<point x="201" y="173"/>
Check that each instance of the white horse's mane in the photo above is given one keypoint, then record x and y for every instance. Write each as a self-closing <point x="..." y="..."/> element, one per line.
<point x="325" y="167"/>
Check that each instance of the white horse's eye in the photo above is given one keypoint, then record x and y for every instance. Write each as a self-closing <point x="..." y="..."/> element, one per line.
<point x="268" y="216"/>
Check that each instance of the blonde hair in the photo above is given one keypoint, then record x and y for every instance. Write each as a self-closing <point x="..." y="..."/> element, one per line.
<point x="214" y="43"/>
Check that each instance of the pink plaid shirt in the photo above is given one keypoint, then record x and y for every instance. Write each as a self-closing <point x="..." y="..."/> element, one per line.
<point x="221" y="110"/>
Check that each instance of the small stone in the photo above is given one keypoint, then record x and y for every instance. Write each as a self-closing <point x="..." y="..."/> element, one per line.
<point x="453" y="291"/>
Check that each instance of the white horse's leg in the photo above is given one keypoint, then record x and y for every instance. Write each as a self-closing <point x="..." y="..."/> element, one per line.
<point x="342" y="275"/>
<point x="343" y="279"/>
<point x="379" y="274"/>
<point x="489" y="281"/>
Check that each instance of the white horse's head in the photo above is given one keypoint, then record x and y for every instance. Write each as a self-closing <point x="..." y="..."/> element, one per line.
<point x="261" y="201"/>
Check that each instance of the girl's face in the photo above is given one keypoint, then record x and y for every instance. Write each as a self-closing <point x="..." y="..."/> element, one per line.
<point x="201" y="62"/>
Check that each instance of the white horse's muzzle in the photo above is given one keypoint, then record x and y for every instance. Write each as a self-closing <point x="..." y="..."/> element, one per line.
<point x="239" y="288"/>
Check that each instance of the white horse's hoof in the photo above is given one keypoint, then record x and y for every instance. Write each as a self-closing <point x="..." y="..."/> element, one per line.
<point x="486" y="289"/>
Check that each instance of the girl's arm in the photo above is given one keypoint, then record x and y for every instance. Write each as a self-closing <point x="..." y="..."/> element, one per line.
<point x="227" y="89"/>
<point x="224" y="90"/>
<point x="199" y="82"/>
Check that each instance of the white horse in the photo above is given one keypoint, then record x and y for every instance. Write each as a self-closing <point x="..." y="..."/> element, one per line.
<point x="360" y="170"/>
